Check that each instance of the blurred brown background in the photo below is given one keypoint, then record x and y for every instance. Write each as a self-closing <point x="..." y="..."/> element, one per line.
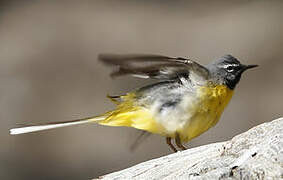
<point x="49" y="72"/>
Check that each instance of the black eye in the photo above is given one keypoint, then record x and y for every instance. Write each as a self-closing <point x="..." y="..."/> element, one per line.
<point x="230" y="68"/>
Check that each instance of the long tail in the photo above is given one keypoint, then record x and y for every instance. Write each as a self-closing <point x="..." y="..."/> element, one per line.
<point x="42" y="127"/>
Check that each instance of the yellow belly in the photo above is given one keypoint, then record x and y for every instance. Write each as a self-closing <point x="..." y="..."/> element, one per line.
<point x="207" y="112"/>
<point x="129" y="114"/>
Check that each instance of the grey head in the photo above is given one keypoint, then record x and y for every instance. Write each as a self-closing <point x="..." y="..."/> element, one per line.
<point x="227" y="70"/>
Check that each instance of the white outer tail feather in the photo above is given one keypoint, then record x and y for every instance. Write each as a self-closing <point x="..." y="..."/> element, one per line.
<point x="35" y="128"/>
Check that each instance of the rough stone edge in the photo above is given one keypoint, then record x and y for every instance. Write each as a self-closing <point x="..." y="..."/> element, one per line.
<point x="228" y="160"/>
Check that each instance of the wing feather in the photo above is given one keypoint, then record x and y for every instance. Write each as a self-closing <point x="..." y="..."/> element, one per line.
<point x="152" y="66"/>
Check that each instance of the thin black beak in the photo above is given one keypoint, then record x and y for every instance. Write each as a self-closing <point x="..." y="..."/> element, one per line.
<point x="245" y="67"/>
<point x="251" y="66"/>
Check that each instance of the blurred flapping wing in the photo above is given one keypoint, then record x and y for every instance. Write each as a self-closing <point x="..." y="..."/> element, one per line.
<point x="152" y="66"/>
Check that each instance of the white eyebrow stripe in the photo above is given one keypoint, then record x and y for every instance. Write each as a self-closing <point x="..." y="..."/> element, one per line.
<point x="229" y="65"/>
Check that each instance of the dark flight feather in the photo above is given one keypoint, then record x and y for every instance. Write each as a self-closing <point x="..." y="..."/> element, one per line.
<point x="152" y="66"/>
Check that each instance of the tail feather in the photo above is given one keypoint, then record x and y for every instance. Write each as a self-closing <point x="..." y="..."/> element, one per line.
<point x="42" y="127"/>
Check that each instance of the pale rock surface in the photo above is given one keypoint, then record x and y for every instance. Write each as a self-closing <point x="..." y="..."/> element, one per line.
<point x="255" y="154"/>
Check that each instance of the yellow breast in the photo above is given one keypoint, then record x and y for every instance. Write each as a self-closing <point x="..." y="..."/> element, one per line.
<point x="204" y="111"/>
<point x="207" y="111"/>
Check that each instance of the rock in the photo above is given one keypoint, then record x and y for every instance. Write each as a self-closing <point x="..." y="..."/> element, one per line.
<point x="255" y="154"/>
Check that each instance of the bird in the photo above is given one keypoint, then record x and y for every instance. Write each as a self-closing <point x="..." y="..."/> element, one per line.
<point x="187" y="99"/>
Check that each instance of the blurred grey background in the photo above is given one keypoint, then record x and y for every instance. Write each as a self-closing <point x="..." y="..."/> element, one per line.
<point x="49" y="72"/>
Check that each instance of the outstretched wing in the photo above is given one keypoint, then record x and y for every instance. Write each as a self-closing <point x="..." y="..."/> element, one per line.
<point x="152" y="66"/>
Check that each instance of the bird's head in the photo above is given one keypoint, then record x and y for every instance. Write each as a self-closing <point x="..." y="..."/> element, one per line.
<point x="228" y="70"/>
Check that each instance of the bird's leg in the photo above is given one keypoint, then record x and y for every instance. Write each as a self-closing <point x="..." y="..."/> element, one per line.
<point x="179" y="143"/>
<point x="168" y="141"/>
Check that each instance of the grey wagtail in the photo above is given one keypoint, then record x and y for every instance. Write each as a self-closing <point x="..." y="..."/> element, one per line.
<point x="188" y="99"/>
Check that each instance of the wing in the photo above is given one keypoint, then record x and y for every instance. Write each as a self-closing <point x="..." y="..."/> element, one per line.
<point x="140" y="139"/>
<point x="152" y="66"/>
